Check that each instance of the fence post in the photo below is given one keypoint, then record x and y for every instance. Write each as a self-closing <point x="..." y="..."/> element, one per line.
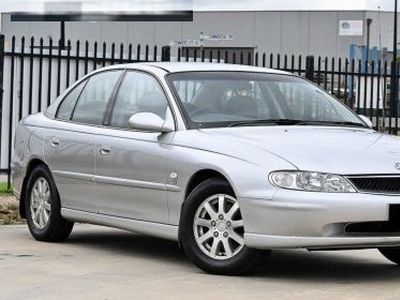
<point x="1" y="102"/>
<point x="166" y="53"/>
<point x="310" y="67"/>
<point x="394" y="96"/>
<point x="1" y="76"/>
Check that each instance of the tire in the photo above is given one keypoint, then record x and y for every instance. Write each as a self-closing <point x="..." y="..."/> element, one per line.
<point x="211" y="231"/>
<point x="43" y="209"/>
<point x="391" y="253"/>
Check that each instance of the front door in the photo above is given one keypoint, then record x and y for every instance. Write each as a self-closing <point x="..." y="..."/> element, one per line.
<point x="130" y="165"/>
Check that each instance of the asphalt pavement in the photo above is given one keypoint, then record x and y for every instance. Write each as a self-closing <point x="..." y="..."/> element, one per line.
<point x="103" y="263"/>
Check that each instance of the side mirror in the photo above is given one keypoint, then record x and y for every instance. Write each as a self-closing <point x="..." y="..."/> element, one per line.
<point x="366" y="120"/>
<point x="149" y="122"/>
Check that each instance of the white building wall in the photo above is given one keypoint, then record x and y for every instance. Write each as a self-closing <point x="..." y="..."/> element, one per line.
<point x="285" y="32"/>
<point x="268" y="32"/>
<point x="298" y="32"/>
<point x="296" y="27"/>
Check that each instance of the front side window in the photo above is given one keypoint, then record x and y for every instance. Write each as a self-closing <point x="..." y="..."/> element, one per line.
<point x="92" y="102"/>
<point x="138" y="92"/>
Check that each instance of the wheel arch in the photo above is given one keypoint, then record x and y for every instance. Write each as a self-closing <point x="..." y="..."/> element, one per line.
<point x="30" y="167"/>
<point x="196" y="179"/>
<point x="239" y="259"/>
<point x="201" y="176"/>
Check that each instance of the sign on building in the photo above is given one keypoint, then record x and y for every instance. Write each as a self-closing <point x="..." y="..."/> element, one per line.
<point x="350" y="27"/>
<point x="185" y="43"/>
<point x="217" y="37"/>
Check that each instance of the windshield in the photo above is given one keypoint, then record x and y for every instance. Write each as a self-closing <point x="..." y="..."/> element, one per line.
<point x="219" y="99"/>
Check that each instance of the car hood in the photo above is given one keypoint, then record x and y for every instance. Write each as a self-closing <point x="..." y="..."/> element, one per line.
<point x="325" y="149"/>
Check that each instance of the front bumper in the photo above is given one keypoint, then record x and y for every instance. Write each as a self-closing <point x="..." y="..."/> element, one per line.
<point x="261" y="241"/>
<point x="296" y="219"/>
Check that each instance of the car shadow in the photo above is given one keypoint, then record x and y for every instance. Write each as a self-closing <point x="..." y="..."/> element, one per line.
<point x="126" y="243"/>
<point x="343" y="267"/>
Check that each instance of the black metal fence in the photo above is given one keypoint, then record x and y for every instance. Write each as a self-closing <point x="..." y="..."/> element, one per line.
<point x="33" y="72"/>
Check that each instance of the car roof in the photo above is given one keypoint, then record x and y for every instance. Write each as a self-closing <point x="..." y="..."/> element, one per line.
<point x="177" y="67"/>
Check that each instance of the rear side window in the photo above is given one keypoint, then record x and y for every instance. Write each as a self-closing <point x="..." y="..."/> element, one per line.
<point x="66" y="107"/>
<point x="92" y="102"/>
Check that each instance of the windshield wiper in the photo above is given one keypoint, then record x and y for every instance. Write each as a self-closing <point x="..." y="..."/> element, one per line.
<point x="266" y="121"/>
<point x="295" y="122"/>
<point x="333" y="123"/>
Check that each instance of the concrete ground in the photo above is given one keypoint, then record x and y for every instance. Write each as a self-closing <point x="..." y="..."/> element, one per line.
<point x="102" y="263"/>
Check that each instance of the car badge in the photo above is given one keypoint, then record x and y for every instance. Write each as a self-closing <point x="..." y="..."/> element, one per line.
<point x="397" y="166"/>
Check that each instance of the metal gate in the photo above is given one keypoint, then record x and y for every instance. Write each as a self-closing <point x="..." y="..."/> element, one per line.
<point x="33" y="72"/>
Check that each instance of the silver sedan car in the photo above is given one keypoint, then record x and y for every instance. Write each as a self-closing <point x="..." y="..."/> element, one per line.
<point x="230" y="161"/>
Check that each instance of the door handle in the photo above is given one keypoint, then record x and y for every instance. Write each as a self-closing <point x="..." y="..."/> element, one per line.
<point x="55" y="142"/>
<point x="104" y="149"/>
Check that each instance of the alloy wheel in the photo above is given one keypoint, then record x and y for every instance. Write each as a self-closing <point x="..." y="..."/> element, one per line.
<point x="218" y="227"/>
<point x="40" y="203"/>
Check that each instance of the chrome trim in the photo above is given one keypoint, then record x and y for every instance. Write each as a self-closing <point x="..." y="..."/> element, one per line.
<point x="137" y="184"/>
<point x="74" y="175"/>
<point x="373" y="176"/>
<point x="120" y="181"/>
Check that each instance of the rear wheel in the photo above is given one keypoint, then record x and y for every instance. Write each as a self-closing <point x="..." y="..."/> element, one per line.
<point x="212" y="231"/>
<point x="391" y="253"/>
<point x="43" y="209"/>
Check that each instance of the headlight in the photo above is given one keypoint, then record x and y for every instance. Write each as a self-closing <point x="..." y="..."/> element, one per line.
<point x="311" y="182"/>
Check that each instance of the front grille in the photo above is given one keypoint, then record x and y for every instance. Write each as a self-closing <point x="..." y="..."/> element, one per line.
<point x="378" y="184"/>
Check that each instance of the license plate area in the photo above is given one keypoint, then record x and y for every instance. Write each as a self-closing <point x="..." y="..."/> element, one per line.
<point x="394" y="214"/>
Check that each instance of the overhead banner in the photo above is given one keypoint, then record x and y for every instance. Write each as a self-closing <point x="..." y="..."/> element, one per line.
<point x="99" y="10"/>
<point x="351" y="27"/>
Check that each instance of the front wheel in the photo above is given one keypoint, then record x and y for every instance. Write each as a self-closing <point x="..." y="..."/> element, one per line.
<point x="211" y="231"/>
<point x="391" y="253"/>
<point x="43" y="209"/>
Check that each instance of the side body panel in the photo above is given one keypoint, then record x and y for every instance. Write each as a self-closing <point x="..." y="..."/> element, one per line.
<point x="130" y="174"/>
<point x="69" y="153"/>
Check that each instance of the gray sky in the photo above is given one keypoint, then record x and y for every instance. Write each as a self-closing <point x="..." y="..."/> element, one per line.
<point x="138" y="5"/>
<point x="387" y="5"/>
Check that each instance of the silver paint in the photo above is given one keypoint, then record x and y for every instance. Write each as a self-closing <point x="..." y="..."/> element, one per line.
<point x="122" y="178"/>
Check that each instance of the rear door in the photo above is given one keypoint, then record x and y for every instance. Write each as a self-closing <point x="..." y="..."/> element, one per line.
<point x="69" y="144"/>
